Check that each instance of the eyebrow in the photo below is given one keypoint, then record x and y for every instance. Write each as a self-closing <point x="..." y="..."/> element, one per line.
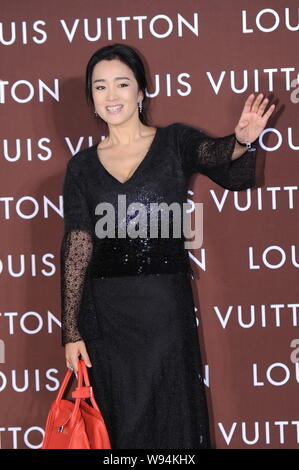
<point x="116" y="78"/>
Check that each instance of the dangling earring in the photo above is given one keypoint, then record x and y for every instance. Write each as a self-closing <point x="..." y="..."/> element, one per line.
<point x="95" y="111"/>
<point x="140" y="105"/>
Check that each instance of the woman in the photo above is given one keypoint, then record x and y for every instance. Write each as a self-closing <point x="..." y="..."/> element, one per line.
<point x="127" y="304"/>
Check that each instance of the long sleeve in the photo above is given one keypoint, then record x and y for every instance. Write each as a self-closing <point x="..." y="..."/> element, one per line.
<point x="75" y="254"/>
<point x="211" y="156"/>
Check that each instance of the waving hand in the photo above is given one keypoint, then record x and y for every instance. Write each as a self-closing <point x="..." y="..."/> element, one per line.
<point x="252" y="120"/>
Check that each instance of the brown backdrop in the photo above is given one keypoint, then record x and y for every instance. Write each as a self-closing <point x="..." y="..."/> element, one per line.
<point x="204" y="59"/>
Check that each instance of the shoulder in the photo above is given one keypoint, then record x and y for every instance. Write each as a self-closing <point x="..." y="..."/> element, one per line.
<point x="181" y="127"/>
<point x="180" y="133"/>
<point x="81" y="159"/>
<point x="174" y="126"/>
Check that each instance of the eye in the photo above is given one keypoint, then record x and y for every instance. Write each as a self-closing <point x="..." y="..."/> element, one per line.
<point x="100" y="87"/>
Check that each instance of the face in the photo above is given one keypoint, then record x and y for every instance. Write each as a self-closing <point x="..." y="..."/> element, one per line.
<point x="115" y="91"/>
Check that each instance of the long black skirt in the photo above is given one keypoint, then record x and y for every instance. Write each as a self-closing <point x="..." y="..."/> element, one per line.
<point x="146" y="366"/>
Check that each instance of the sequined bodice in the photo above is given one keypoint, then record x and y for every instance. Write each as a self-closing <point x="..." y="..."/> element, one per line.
<point x="177" y="152"/>
<point x="133" y="253"/>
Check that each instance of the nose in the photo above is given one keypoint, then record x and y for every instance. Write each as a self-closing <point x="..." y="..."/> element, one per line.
<point x="111" y="93"/>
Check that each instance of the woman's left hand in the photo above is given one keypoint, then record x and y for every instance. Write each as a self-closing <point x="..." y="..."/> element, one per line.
<point x="252" y="120"/>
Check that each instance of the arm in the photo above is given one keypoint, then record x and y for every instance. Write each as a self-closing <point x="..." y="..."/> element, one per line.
<point x="238" y="151"/>
<point x="76" y="251"/>
<point x="213" y="157"/>
<point x="222" y="159"/>
<point x="75" y="254"/>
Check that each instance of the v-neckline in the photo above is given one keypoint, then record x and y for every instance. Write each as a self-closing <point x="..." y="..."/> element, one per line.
<point x="138" y="168"/>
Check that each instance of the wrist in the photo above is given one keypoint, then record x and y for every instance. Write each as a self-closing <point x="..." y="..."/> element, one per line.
<point x="243" y="144"/>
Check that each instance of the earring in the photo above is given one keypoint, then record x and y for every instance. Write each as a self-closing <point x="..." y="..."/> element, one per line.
<point x="95" y="111"/>
<point x="140" y="105"/>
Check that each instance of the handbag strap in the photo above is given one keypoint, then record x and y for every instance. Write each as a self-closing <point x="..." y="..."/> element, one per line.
<point x="81" y="391"/>
<point x="63" y="386"/>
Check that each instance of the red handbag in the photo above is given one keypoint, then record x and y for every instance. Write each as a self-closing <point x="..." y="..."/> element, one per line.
<point x="76" y="425"/>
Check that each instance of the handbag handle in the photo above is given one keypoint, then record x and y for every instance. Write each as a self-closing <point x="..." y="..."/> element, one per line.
<point x="80" y="392"/>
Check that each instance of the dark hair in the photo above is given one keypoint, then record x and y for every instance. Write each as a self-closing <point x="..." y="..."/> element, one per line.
<point x="132" y="59"/>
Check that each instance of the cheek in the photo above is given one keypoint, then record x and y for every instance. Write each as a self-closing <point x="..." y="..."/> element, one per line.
<point x="94" y="96"/>
<point x="131" y="95"/>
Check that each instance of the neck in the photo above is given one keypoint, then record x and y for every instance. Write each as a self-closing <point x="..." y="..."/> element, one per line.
<point x="126" y="133"/>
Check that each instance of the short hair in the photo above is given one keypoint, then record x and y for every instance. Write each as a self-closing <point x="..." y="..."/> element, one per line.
<point x="132" y="59"/>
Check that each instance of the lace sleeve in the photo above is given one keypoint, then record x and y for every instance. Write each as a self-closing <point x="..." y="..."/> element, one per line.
<point x="76" y="250"/>
<point x="75" y="254"/>
<point x="211" y="156"/>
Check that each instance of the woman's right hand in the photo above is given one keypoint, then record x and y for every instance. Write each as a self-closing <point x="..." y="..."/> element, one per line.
<point x="72" y="353"/>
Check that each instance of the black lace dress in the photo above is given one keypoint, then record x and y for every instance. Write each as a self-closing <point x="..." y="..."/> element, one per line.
<point x="130" y="299"/>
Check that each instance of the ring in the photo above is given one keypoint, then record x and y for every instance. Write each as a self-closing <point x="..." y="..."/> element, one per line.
<point x="70" y="367"/>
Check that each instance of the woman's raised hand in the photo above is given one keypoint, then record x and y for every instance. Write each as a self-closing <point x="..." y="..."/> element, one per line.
<point x="252" y="120"/>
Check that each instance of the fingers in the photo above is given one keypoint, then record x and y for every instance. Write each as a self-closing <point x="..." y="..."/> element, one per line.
<point x="257" y="103"/>
<point x="269" y="112"/>
<point x="260" y="105"/>
<point x="73" y="352"/>
<point x="248" y="103"/>
<point x="72" y="363"/>
<point x="85" y="356"/>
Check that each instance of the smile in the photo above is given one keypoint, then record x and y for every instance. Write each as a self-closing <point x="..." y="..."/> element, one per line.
<point x="114" y="109"/>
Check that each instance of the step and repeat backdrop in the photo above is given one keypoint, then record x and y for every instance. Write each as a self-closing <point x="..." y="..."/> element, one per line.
<point x="203" y="60"/>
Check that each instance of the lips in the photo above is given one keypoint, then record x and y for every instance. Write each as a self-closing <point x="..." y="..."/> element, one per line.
<point x="114" y="109"/>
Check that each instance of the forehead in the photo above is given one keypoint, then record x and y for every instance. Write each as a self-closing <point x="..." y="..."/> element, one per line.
<point x="110" y="69"/>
